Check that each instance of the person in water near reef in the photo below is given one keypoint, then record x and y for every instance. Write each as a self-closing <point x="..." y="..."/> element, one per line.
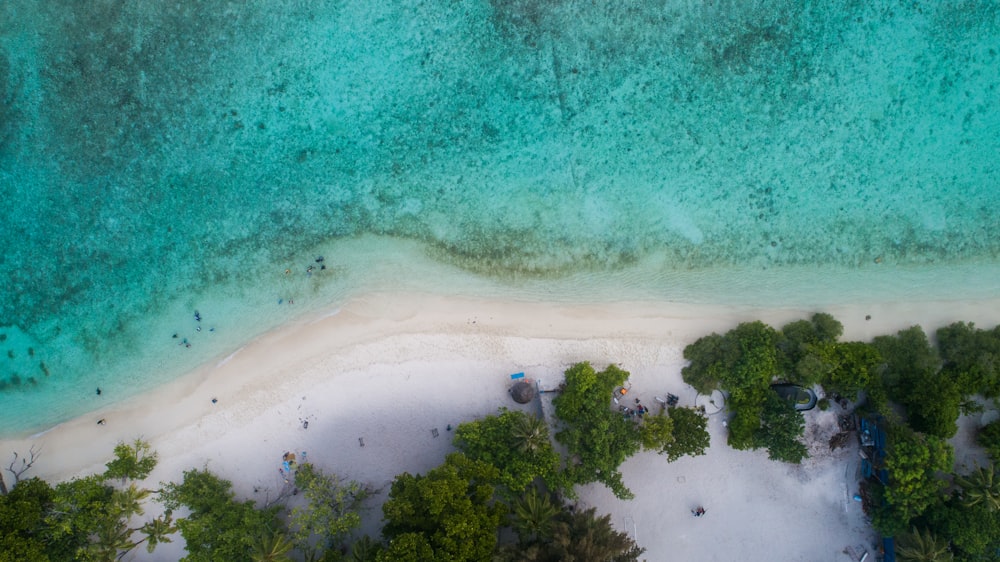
<point x="98" y="391"/>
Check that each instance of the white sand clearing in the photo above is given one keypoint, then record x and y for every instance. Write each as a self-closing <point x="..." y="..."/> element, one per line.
<point x="390" y="369"/>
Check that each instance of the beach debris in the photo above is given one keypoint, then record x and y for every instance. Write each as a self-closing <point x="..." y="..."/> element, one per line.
<point x="215" y="400"/>
<point x="698" y="511"/>
<point x="839" y="440"/>
<point x="288" y="461"/>
<point x="101" y="421"/>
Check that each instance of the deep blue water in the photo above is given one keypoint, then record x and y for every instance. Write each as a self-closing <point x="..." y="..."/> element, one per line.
<point x="162" y="158"/>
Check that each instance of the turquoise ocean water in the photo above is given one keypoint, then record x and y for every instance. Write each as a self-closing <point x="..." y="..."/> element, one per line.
<point x="158" y="159"/>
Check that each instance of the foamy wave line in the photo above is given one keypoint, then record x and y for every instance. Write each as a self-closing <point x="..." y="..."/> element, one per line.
<point x="229" y="357"/>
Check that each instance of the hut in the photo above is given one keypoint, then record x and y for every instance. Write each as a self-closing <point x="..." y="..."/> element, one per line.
<point x="523" y="392"/>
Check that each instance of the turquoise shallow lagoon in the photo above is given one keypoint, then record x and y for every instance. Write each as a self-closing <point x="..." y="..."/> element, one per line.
<point x="161" y="159"/>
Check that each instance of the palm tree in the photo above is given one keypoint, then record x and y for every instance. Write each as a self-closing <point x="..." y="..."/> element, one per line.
<point x="129" y="501"/>
<point x="529" y="434"/>
<point x="534" y="516"/>
<point x="922" y="547"/>
<point x="584" y="536"/>
<point x="982" y="486"/>
<point x="272" y="547"/>
<point x="158" y="531"/>
<point x="365" y="549"/>
<point x="113" y="536"/>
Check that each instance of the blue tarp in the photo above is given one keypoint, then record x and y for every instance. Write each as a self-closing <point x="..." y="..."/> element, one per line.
<point x="517" y="376"/>
<point x="889" y="546"/>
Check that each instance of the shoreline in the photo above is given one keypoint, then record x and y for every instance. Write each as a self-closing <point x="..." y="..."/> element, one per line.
<point x="389" y="367"/>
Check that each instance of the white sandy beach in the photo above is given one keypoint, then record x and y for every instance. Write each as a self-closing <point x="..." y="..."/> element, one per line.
<point x="390" y="368"/>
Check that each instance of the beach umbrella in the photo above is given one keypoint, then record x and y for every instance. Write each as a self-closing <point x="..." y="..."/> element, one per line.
<point x="523" y="392"/>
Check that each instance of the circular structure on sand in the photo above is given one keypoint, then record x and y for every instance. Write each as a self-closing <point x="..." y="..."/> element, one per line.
<point x="712" y="403"/>
<point x="523" y="392"/>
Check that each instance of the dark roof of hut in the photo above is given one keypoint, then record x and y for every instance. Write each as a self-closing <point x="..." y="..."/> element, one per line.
<point x="523" y="392"/>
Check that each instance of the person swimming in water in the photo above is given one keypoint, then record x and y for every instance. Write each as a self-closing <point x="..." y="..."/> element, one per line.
<point x="98" y="391"/>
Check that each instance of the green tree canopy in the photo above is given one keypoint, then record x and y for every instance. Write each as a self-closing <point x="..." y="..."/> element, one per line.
<point x="366" y="549"/>
<point x="408" y="547"/>
<point x="845" y="368"/>
<point x="710" y="356"/>
<point x="690" y="433"/>
<point x="534" y="516"/>
<point x="781" y="430"/>
<point x="906" y="356"/>
<point x="913" y="463"/>
<point x="448" y="512"/>
<point x="971" y="357"/>
<point x="980" y="487"/>
<point x="598" y="438"/>
<point x="656" y="432"/>
<point x="330" y="514"/>
<point x="933" y="404"/>
<point x="757" y="363"/>
<point x="82" y="519"/>
<point x="913" y="378"/>
<point x="577" y="535"/>
<point x="219" y="527"/>
<point x="744" y="362"/>
<point x="23" y="533"/>
<point x="922" y="546"/>
<point x="974" y="531"/>
<point x="855" y="368"/>
<point x="517" y="444"/>
<point x="988" y="437"/>
<point x="797" y="336"/>
<point x="132" y="461"/>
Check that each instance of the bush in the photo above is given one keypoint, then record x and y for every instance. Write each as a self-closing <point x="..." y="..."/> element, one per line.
<point x="822" y="328"/>
<point x="989" y="438"/>
<point x="780" y="429"/>
<point x="913" y="378"/>
<point x="690" y="434"/>
<point x="599" y="438"/>
<point x="971" y="357"/>
<point x="517" y="444"/>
